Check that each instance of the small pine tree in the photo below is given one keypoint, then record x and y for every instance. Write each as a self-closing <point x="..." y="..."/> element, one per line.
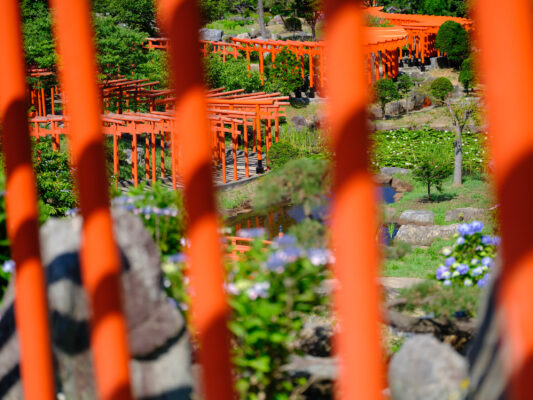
<point x="441" y="88"/>
<point x="433" y="167"/>
<point x="452" y="39"/>
<point x="404" y="84"/>
<point x="467" y="76"/>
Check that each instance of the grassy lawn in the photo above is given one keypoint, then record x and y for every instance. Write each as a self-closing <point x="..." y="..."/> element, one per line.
<point x="475" y="192"/>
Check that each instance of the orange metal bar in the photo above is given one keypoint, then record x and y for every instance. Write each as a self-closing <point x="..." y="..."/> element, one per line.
<point x="31" y="313"/>
<point x="511" y="144"/>
<point x="99" y="256"/>
<point x="180" y="19"/>
<point x="353" y="221"/>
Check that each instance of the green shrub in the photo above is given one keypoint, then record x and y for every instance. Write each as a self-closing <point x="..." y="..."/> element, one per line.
<point x="385" y="91"/>
<point x="404" y="84"/>
<point x="467" y="76"/>
<point x="285" y="75"/>
<point x="441" y="88"/>
<point x="270" y="292"/>
<point x="452" y="39"/>
<point x="281" y="153"/>
<point x="433" y="166"/>
<point x="233" y="74"/>
<point x="293" y="24"/>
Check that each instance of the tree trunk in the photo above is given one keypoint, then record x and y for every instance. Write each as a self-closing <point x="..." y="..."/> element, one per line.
<point x="429" y="191"/>
<point x="458" y="157"/>
<point x="313" y="30"/>
<point x="261" y="13"/>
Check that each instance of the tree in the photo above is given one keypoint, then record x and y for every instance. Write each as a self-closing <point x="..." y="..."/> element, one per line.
<point x="404" y="84"/>
<point x="385" y="91"/>
<point x="286" y="74"/>
<point x="433" y="167"/>
<point x="136" y="14"/>
<point x="261" y="12"/>
<point x="441" y="88"/>
<point x="435" y="7"/>
<point x="460" y="114"/>
<point x="310" y="11"/>
<point x="452" y="39"/>
<point x="467" y="76"/>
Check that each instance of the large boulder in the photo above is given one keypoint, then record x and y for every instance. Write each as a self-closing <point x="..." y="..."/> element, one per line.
<point x="400" y="185"/>
<point x="276" y="20"/>
<point x="394" y="109"/>
<point x="424" y="235"/>
<point x="382" y="179"/>
<point x="416" y="217"/>
<point x="465" y="214"/>
<point x="254" y="33"/>
<point x="426" y="369"/>
<point x="415" y="101"/>
<point x="211" y="35"/>
<point x="243" y="35"/>
<point x="158" y="341"/>
<point x="394" y="171"/>
<point x="375" y="111"/>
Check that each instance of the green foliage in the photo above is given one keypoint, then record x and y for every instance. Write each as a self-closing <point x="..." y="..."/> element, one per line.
<point x="54" y="179"/>
<point x="136" y="14"/>
<point x="435" y="7"/>
<point x="470" y="260"/>
<point x="232" y="75"/>
<point x="309" y="142"/>
<point x="467" y="76"/>
<point x="441" y="88"/>
<point x="433" y="166"/>
<point x="453" y="40"/>
<point x="285" y="75"/>
<point x="310" y="233"/>
<point x="454" y="8"/>
<point x="38" y="43"/>
<point x="268" y="300"/>
<point x="385" y="91"/>
<point x="441" y="301"/>
<point x="293" y="24"/>
<point x="401" y="148"/>
<point x="301" y="181"/>
<point x="404" y="84"/>
<point x="372" y="20"/>
<point x="281" y="153"/>
<point x="213" y="10"/>
<point x="163" y="214"/>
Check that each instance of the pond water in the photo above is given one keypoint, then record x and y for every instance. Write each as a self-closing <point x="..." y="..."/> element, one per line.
<point x="281" y="218"/>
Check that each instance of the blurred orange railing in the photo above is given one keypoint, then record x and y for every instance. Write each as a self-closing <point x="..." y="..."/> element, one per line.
<point x="353" y="220"/>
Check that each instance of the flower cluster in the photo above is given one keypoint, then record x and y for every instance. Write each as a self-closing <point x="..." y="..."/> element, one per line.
<point x="469" y="262"/>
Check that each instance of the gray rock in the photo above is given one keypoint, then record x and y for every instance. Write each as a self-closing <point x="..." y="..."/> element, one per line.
<point x="424" y="235"/>
<point x="212" y="35"/>
<point x="315" y="368"/>
<point x="416" y="217"/>
<point x="274" y="37"/>
<point x="237" y="18"/>
<point x="464" y="214"/>
<point x="276" y="20"/>
<point x="426" y="369"/>
<point x="388" y="214"/>
<point x="299" y="122"/>
<point x="266" y="36"/>
<point x="382" y="179"/>
<point x="315" y="336"/>
<point x="415" y="101"/>
<point x="394" y="170"/>
<point x="401" y="186"/>
<point x="254" y="33"/>
<point x="398" y="196"/>
<point x="375" y="111"/>
<point x="226" y="38"/>
<point x="244" y="35"/>
<point x="158" y="341"/>
<point x="394" y="109"/>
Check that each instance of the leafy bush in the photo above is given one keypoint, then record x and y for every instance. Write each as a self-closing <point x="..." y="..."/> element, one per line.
<point x="233" y="74"/>
<point x="469" y="262"/>
<point x="281" y="153"/>
<point x="433" y="166"/>
<point x="467" y="76"/>
<point x="163" y="214"/>
<point x="385" y="91"/>
<point x="400" y="148"/>
<point x="54" y="179"/>
<point x="441" y="88"/>
<point x="372" y="20"/>
<point x="285" y="75"/>
<point x="452" y="39"/>
<point x="293" y="24"/>
<point x="270" y="291"/>
<point x="404" y="84"/>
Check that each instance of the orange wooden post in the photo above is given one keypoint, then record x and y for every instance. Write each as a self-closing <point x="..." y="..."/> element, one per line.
<point x="311" y="69"/>
<point x="276" y="124"/>
<point x="147" y="155"/>
<point x="134" y="160"/>
<point x="222" y="142"/>
<point x="423" y="48"/>
<point x="115" y="155"/>
<point x="31" y="313"/>
<point x="511" y="144"/>
<point x="52" y="100"/>
<point x="261" y="65"/>
<point x="354" y="213"/>
<point x="246" y="160"/>
<point x="234" y="149"/>
<point x="162" y="145"/>
<point x="259" y="168"/>
<point x="100" y="261"/>
<point x="376" y="63"/>
<point x="152" y="146"/>
<point x="180" y="19"/>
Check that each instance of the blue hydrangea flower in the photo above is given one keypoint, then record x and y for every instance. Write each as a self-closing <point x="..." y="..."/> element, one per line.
<point x="487" y="261"/>
<point x="8" y="266"/>
<point x="251" y="233"/>
<point x="460" y="240"/>
<point x="441" y="271"/>
<point x="483" y="281"/>
<point x="486" y="240"/>
<point x="447" y="282"/>
<point x="450" y="261"/>
<point x="463" y="269"/>
<point x="464" y="229"/>
<point x="496" y="240"/>
<point x="177" y="258"/>
<point x="477" y="271"/>
<point x="258" y="289"/>
<point x="476" y="227"/>
<point x="320" y="257"/>
<point x="284" y="241"/>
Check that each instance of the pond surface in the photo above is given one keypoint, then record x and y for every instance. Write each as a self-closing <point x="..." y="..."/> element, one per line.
<point x="281" y="218"/>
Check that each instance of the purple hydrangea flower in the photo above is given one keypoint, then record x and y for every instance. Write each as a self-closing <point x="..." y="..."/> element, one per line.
<point x="475" y="227"/>
<point x="441" y="272"/>
<point x="450" y="261"/>
<point x="477" y="271"/>
<point x="259" y="289"/>
<point x="251" y="233"/>
<point x="177" y="258"/>
<point x="231" y="288"/>
<point x="320" y="257"/>
<point x="487" y="261"/>
<point x="464" y="229"/>
<point x="9" y="266"/>
<point x="487" y="240"/>
<point x="447" y="282"/>
<point x="463" y="269"/>
<point x="484" y="281"/>
<point x="460" y="240"/>
<point x="496" y="240"/>
<point x="284" y="241"/>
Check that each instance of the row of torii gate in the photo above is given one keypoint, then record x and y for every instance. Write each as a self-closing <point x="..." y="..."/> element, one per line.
<point x="416" y="34"/>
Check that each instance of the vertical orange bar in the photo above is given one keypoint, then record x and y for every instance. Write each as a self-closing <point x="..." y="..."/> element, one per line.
<point x="147" y="155"/>
<point x="31" y="313"/>
<point x="162" y="154"/>
<point x="234" y="149"/>
<point x="99" y="256"/>
<point x="52" y="100"/>
<point x="246" y="160"/>
<point x="259" y="140"/>
<point x="354" y="217"/>
<point x="180" y="20"/>
<point x="511" y="144"/>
